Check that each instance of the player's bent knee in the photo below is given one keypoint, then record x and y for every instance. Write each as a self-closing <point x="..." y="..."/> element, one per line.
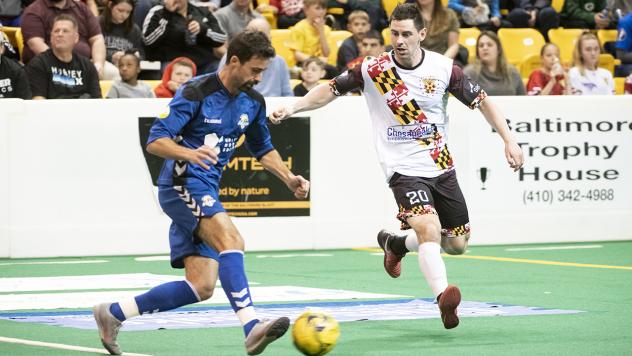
<point x="204" y="290"/>
<point x="455" y="244"/>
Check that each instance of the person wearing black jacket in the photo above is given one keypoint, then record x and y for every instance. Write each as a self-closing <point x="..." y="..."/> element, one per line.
<point x="180" y="29"/>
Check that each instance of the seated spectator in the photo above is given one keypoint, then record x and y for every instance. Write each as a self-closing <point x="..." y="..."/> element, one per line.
<point x="178" y="72"/>
<point x="478" y="13"/>
<point x="37" y="22"/>
<point x="9" y="50"/>
<point x="375" y="10"/>
<point x="372" y="46"/>
<point x="129" y="86"/>
<point x="534" y="14"/>
<point x="358" y="25"/>
<point x="313" y="71"/>
<point x="275" y="80"/>
<point x="60" y="73"/>
<point x="180" y="29"/>
<point x="551" y="79"/>
<point x="585" y="14"/>
<point x="491" y="69"/>
<point x="586" y="78"/>
<point x="624" y="44"/>
<point x="235" y="17"/>
<point x="121" y="34"/>
<point x="288" y="12"/>
<point x="442" y="34"/>
<point x="10" y="11"/>
<point x="337" y="13"/>
<point x="13" y="82"/>
<point x="309" y="37"/>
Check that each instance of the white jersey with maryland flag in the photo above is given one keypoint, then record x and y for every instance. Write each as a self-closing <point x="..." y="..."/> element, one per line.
<point x="408" y="109"/>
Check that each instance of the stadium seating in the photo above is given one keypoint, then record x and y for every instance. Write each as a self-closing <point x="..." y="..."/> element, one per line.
<point x="530" y="64"/>
<point x="467" y="38"/>
<point x="619" y="84"/>
<point x="565" y="39"/>
<point x="607" y="61"/>
<point x="280" y="39"/>
<point x="15" y="37"/>
<point x="386" y="34"/>
<point x="520" y="43"/>
<point x="389" y="6"/>
<point x="335" y="40"/>
<point x="606" y="36"/>
<point x="105" y="87"/>
<point x="558" y="5"/>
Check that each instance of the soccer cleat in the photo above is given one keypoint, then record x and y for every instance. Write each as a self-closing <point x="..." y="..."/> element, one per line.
<point x="392" y="261"/>
<point x="263" y="333"/>
<point x="108" y="327"/>
<point x="449" y="300"/>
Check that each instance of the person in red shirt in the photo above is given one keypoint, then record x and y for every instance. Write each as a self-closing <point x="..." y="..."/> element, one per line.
<point x="551" y="79"/>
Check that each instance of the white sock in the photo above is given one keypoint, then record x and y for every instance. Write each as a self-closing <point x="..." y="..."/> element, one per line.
<point x="432" y="266"/>
<point x="129" y="308"/>
<point x="246" y="315"/>
<point x="412" y="243"/>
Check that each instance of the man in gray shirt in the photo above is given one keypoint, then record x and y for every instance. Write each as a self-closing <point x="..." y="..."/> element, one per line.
<point x="235" y="17"/>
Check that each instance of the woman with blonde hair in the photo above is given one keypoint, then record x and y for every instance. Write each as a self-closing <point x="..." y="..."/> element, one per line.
<point x="443" y="29"/>
<point x="586" y="78"/>
<point x="551" y="79"/>
<point x="491" y="69"/>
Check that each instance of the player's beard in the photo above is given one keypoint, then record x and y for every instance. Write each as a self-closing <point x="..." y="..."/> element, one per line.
<point x="248" y="85"/>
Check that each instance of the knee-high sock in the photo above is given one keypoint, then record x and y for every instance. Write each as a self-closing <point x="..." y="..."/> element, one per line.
<point x="235" y="285"/>
<point x="432" y="266"/>
<point x="412" y="243"/>
<point x="163" y="297"/>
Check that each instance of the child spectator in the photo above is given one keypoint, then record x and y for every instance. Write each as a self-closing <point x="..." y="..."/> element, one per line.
<point x="289" y="12"/>
<point x="313" y="71"/>
<point x="551" y="79"/>
<point x="129" y="86"/>
<point x="358" y="24"/>
<point x="586" y="78"/>
<point x="177" y="73"/>
<point x="372" y="46"/>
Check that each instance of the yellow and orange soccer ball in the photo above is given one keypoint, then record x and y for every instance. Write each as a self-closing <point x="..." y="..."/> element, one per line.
<point x="315" y="333"/>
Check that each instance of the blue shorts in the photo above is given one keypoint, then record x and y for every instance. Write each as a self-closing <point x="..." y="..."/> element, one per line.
<point x="185" y="205"/>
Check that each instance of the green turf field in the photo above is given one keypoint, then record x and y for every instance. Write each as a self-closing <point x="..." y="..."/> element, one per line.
<point x="595" y="278"/>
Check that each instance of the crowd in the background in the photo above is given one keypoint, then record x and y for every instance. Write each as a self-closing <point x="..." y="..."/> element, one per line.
<point x="69" y="46"/>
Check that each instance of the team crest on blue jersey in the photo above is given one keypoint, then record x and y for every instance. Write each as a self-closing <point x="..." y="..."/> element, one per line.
<point x="208" y="200"/>
<point x="243" y="121"/>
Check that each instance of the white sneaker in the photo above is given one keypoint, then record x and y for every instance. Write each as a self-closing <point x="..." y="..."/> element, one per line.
<point x="263" y="333"/>
<point x="108" y="326"/>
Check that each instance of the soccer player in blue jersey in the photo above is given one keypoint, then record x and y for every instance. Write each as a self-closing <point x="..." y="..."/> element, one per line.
<point x="206" y="118"/>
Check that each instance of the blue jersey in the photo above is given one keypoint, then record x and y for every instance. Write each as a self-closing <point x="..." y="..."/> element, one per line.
<point x="204" y="109"/>
<point x="624" y="35"/>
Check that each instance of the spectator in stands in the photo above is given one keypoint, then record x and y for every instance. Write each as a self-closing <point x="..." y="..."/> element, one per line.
<point x="121" y="34"/>
<point x="129" y="86"/>
<point x="627" y="86"/>
<point x="337" y="13"/>
<point x="309" y="37"/>
<point x="9" y="50"/>
<point x="372" y="46"/>
<point x="275" y="80"/>
<point x="585" y="14"/>
<point x="442" y="34"/>
<point x="288" y="12"/>
<point x="375" y="10"/>
<point x="180" y="29"/>
<point x="60" y="73"/>
<point x="313" y="71"/>
<point x="358" y="24"/>
<point x="586" y="78"/>
<point x="551" y="79"/>
<point x="534" y="14"/>
<point x="13" y="81"/>
<point x="491" y="69"/>
<point x="177" y="73"/>
<point x="624" y="44"/>
<point x="10" y="11"/>
<point x="484" y="14"/>
<point x="37" y="22"/>
<point x="235" y="17"/>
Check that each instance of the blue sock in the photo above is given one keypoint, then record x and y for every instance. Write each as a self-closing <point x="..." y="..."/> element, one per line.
<point x="235" y="285"/>
<point x="115" y="309"/>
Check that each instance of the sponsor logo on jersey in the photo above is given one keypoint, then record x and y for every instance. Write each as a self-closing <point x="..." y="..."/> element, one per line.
<point x="208" y="200"/>
<point x="212" y="121"/>
<point x="400" y="133"/>
<point x="243" y="121"/>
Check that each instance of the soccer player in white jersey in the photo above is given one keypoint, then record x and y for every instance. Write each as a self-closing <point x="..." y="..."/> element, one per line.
<point x="406" y="91"/>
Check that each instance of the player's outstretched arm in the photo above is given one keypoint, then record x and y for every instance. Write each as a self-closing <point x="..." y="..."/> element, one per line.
<point x="318" y="97"/>
<point x="165" y="147"/>
<point x="272" y="162"/>
<point x="513" y="152"/>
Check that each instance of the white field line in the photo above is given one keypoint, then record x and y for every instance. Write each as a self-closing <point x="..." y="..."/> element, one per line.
<point x="53" y="262"/>
<point x="61" y="346"/>
<point x="570" y="247"/>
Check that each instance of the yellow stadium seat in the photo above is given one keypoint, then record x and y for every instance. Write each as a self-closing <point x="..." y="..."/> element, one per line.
<point x="619" y="84"/>
<point x="271" y="18"/>
<point x="280" y="41"/>
<point x="20" y="39"/>
<point x="530" y="64"/>
<point x="389" y="6"/>
<point x="467" y="38"/>
<point x="520" y="43"/>
<point x="606" y="36"/>
<point x="105" y="87"/>
<point x="558" y="5"/>
<point x="565" y="39"/>
<point x="14" y="34"/>
<point x="386" y="33"/>
<point x="607" y="62"/>
<point x="444" y="3"/>
<point x="335" y="40"/>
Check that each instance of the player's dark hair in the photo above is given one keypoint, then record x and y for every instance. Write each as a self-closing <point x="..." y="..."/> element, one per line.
<point x="248" y="44"/>
<point x="408" y="11"/>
